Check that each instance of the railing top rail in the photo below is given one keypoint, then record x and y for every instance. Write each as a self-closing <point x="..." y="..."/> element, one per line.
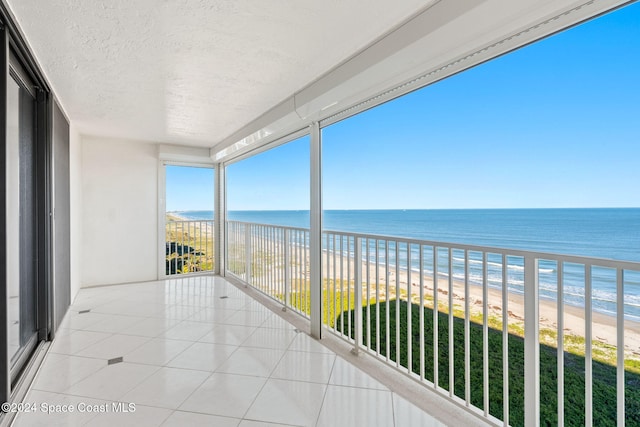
<point x="577" y="259"/>
<point x="182" y="221"/>
<point x="283" y="227"/>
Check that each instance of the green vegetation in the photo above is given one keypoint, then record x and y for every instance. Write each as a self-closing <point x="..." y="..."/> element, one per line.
<point x="604" y="375"/>
<point x="189" y="247"/>
<point x="332" y="303"/>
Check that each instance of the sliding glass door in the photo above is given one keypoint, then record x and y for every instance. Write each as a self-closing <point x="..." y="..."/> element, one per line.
<point x="21" y="217"/>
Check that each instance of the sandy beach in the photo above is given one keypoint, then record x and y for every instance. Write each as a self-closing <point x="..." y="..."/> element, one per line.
<point x="197" y="234"/>
<point x="603" y="326"/>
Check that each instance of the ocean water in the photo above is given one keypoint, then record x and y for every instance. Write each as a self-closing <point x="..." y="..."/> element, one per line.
<point x="602" y="233"/>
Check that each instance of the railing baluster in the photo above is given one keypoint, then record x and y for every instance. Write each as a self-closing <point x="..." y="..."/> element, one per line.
<point x="560" y="343"/>
<point x="505" y="340"/>
<point x="256" y="258"/>
<point x="256" y="261"/>
<point x="588" y="389"/>
<point x="349" y="287"/>
<point x="467" y="333"/>
<point x="377" y="242"/>
<point x="450" y="295"/>
<point x="270" y="261"/>
<point x="342" y="286"/>
<point x="368" y="293"/>
<point x="279" y="261"/>
<point x="259" y="256"/>
<point x="255" y="255"/>
<point x="182" y="247"/>
<point x="275" y="265"/>
<point x="335" y="286"/>
<point x="236" y="248"/>
<point x="287" y="271"/>
<point x="299" y="273"/>
<point x="620" y="409"/>
<point x="327" y="287"/>
<point x="398" y="289"/>
<point x="421" y="314"/>
<point x="213" y="247"/>
<point x="247" y="253"/>
<point x="409" y="333"/>
<point x="357" y="277"/>
<point x="485" y="333"/>
<point x="435" y="319"/>
<point x="387" y="327"/>
<point x="304" y="294"/>
<point x="262" y="243"/>
<point x="531" y="343"/>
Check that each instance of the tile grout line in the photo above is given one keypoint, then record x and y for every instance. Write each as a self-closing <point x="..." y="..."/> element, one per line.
<point x="194" y="390"/>
<point x="326" y="390"/>
<point x="124" y="394"/>
<point x="205" y="380"/>
<point x="265" y="383"/>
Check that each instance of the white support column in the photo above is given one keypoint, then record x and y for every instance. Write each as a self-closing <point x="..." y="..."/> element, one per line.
<point x="220" y="224"/>
<point x="316" y="231"/>
<point x="531" y="344"/>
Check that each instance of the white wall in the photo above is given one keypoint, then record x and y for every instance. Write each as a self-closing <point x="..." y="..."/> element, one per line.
<point x="119" y="211"/>
<point x="75" y="209"/>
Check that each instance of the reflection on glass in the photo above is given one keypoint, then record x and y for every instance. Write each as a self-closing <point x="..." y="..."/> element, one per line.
<point x="21" y="222"/>
<point x="13" y="214"/>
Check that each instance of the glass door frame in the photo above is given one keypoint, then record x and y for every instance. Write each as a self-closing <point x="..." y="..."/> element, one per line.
<point x="19" y="77"/>
<point x="15" y="62"/>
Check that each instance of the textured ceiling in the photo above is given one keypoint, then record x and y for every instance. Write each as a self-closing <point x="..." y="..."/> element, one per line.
<point x="192" y="71"/>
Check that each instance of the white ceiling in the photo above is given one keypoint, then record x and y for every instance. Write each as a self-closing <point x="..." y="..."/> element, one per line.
<point x="192" y="71"/>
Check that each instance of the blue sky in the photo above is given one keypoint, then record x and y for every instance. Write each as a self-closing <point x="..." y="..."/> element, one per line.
<point x="555" y="124"/>
<point x="189" y="189"/>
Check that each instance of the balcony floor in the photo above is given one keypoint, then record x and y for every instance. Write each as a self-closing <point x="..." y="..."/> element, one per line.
<point x="199" y="351"/>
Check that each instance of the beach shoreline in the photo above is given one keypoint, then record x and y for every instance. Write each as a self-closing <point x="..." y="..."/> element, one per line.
<point x="603" y="326"/>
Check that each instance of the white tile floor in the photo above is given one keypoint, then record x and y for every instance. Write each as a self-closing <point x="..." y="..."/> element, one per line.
<point x="199" y="351"/>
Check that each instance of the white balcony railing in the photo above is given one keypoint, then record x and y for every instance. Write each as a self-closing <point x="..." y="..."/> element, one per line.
<point x="189" y="246"/>
<point x="500" y="327"/>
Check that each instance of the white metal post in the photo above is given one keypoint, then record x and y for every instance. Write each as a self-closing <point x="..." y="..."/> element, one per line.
<point x="588" y="356"/>
<point x="620" y="385"/>
<point x="357" y="280"/>
<point x="287" y="268"/>
<point x="247" y="253"/>
<point x="316" y="231"/>
<point x="531" y="344"/>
